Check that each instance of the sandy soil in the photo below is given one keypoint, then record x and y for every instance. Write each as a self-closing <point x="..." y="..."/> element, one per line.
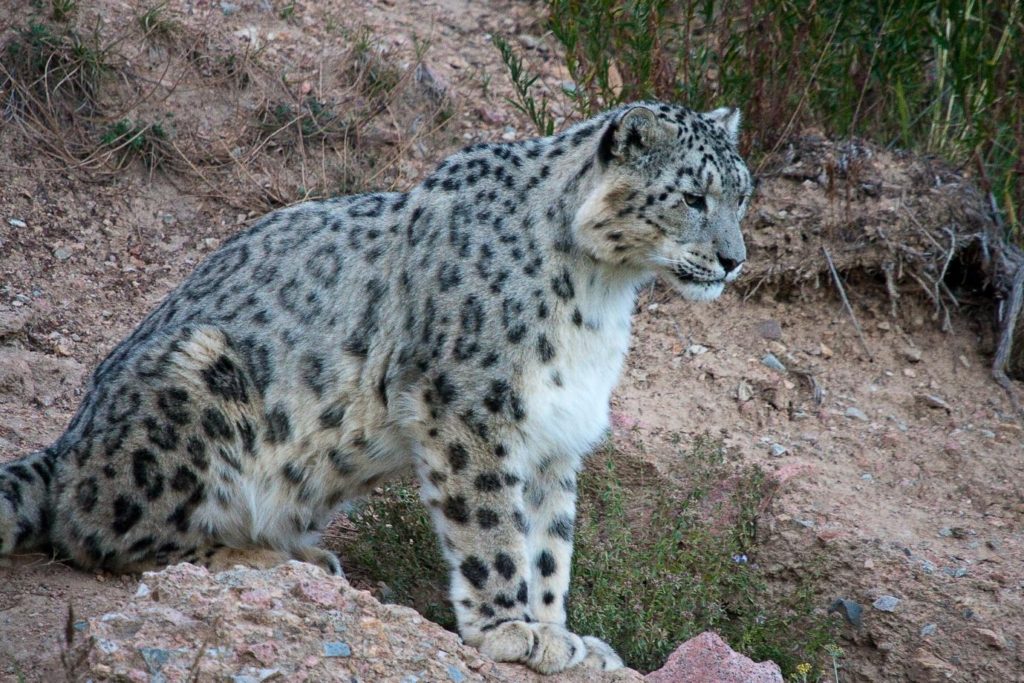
<point x="900" y="464"/>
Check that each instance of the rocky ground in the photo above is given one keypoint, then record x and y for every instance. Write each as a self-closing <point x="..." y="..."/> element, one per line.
<point x="899" y="461"/>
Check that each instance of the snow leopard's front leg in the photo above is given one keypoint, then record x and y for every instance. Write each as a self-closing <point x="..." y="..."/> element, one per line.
<point x="550" y="499"/>
<point x="476" y="502"/>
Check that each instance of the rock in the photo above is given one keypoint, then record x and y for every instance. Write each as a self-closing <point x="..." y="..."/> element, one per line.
<point x="743" y="391"/>
<point x="933" y="401"/>
<point x="912" y="354"/>
<point x="16" y="223"/>
<point x="61" y="254"/>
<point x="770" y="329"/>
<point x="432" y="82"/>
<point x="292" y="622"/>
<point x="927" y="668"/>
<point x="856" y="414"/>
<point x="886" y="603"/>
<point x="929" y="630"/>
<point x="13" y="322"/>
<point x="850" y="609"/>
<point x="708" y="659"/>
<point x="228" y="8"/>
<point x="696" y="349"/>
<point x="27" y="374"/>
<point x="770" y="361"/>
<point x="491" y="116"/>
<point x="778" y="450"/>
<point x="991" y="638"/>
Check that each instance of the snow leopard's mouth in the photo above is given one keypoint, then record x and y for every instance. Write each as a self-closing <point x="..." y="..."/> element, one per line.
<point x="686" y="277"/>
<point x="693" y="288"/>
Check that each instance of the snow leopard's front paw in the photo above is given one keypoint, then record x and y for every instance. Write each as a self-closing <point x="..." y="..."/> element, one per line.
<point x="547" y="648"/>
<point x="600" y="655"/>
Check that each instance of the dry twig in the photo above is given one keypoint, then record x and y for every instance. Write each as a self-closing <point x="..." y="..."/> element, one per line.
<point x="846" y="303"/>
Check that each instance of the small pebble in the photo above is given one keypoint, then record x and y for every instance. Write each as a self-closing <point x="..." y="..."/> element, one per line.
<point x="778" y="450"/>
<point x="850" y="610"/>
<point x="955" y="572"/>
<point x="912" y="354"/>
<point x="927" y="566"/>
<point x="929" y="630"/>
<point x="856" y="414"/>
<point x="456" y="675"/>
<point x="17" y="223"/>
<point x="770" y="361"/>
<point x="886" y="603"/>
<point x="61" y="254"/>
<point x="337" y="649"/>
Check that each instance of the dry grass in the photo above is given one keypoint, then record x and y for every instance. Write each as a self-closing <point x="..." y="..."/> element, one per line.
<point x="212" y="110"/>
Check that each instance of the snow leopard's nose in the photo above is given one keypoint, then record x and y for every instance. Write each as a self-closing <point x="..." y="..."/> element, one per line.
<point x="728" y="264"/>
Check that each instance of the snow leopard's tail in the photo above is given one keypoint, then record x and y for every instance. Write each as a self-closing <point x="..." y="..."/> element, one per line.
<point x="25" y="510"/>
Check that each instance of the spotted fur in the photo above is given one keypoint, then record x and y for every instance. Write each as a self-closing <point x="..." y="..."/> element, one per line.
<point x="470" y="330"/>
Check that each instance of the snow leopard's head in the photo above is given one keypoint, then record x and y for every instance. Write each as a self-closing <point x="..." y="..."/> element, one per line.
<point x="671" y="194"/>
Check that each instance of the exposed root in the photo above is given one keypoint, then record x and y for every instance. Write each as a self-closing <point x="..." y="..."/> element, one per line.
<point x="846" y="304"/>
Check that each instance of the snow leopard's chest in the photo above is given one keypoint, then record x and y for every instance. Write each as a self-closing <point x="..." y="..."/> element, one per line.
<point x="567" y="400"/>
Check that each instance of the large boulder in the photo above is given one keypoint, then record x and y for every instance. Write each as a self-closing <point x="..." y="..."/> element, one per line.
<point x="290" y="623"/>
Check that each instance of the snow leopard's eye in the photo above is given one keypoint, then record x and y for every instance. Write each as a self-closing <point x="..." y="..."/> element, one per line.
<point x="695" y="201"/>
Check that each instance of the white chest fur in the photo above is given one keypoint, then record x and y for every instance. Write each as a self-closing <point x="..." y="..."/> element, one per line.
<point x="566" y="400"/>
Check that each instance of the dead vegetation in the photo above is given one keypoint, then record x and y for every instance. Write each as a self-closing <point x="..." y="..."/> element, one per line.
<point x="911" y="224"/>
<point x="197" y="102"/>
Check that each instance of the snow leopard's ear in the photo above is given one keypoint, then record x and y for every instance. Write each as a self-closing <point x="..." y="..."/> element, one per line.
<point x="727" y="118"/>
<point x="632" y="135"/>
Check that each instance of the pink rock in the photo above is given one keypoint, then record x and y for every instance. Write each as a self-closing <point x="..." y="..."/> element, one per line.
<point x="265" y="653"/>
<point x="257" y="598"/>
<point x="708" y="659"/>
<point x="320" y="592"/>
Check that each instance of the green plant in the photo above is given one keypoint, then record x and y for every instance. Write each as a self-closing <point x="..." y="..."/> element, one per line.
<point x="377" y="76"/>
<point x="55" y="65"/>
<point x="62" y="10"/>
<point x="126" y="139"/>
<point x="643" y="592"/>
<point x="523" y="83"/>
<point x="647" y="592"/>
<point x="941" y="76"/>
<point x="288" y="11"/>
<point x="311" y="119"/>
<point x="155" y="21"/>
<point x="394" y="547"/>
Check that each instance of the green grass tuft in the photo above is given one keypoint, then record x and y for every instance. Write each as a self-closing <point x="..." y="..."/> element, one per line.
<point x="653" y="567"/>
<point x="128" y="139"/>
<point x="396" y="549"/>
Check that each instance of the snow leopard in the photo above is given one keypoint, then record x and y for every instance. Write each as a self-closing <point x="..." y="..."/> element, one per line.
<point x="469" y="331"/>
